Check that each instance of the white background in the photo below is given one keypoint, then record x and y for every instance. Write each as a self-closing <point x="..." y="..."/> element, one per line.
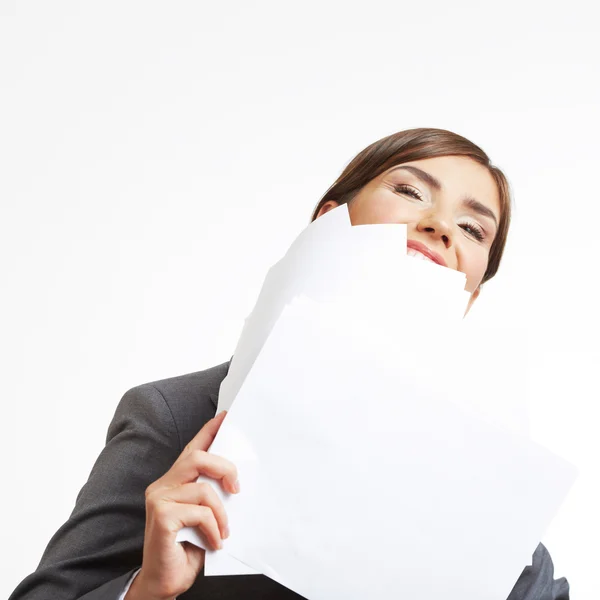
<point x="156" y="158"/>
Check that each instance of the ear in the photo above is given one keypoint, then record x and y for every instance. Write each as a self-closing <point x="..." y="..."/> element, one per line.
<point x="472" y="299"/>
<point x="326" y="207"/>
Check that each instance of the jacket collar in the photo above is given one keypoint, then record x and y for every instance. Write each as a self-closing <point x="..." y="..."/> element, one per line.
<point x="214" y="396"/>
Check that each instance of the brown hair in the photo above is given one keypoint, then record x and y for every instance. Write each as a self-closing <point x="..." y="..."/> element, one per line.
<point x="416" y="144"/>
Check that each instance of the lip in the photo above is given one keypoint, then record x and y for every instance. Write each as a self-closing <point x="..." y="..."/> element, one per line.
<point x="420" y="247"/>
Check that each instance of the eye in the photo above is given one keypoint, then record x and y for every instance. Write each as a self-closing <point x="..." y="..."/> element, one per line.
<point x="475" y="230"/>
<point x="403" y="188"/>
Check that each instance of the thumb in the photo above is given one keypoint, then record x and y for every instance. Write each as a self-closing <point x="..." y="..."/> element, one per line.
<point x="205" y="437"/>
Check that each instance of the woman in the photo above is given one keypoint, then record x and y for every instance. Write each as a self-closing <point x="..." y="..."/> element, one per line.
<point x="119" y="540"/>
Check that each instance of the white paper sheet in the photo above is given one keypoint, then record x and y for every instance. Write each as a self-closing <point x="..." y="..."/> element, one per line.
<point x="361" y="269"/>
<point x="357" y="266"/>
<point x="356" y="475"/>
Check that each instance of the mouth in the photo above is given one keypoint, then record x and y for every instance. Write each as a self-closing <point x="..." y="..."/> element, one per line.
<point x="422" y="252"/>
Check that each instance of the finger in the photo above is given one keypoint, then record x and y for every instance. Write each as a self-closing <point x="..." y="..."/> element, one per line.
<point x="174" y="516"/>
<point x="201" y="494"/>
<point x="197" y="463"/>
<point x="205" y="437"/>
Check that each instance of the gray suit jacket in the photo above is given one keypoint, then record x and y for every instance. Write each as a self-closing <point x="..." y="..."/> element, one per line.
<point x="92" y="555"/>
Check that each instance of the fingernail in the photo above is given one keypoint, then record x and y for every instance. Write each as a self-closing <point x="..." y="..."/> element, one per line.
<point x="220" y="545"/>
<point x="225" y="532"/>
<point x="236" y="486"/>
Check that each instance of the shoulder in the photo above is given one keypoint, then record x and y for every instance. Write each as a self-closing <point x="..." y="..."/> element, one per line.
<point x="537" y="580"/>
<point x="188" y="401"/>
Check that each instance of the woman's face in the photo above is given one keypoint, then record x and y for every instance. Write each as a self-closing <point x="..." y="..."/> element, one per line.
<point x="450" y="205"/>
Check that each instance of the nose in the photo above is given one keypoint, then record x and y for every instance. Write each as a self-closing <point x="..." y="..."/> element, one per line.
<point x="435" y="226"/>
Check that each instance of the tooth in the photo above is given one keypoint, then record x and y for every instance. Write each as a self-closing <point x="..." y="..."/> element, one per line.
<point x="417" y="254"/>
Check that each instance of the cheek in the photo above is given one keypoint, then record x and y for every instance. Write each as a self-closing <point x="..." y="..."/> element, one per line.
<point x="474" y="264"/>
<point x="380" y="208"/>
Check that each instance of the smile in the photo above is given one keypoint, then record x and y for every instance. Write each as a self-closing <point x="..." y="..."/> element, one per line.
<point x="418" y="255"/>
<point x="420" y="251"/>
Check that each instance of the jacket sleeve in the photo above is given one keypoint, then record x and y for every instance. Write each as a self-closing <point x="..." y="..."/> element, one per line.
<point x="537" y="580"/>
<point x="128" y="585"/>
<point x="93" y="554"/>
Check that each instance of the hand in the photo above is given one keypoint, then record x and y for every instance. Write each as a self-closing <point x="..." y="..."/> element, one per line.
<point x="175" y="501"/>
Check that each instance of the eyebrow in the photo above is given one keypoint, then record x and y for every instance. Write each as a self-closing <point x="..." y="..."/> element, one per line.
<point x="479" y="208"/>
<point x="430" y="180"/>
<point x="422" y="175"/>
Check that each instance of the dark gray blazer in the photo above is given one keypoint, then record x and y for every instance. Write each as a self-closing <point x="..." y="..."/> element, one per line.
<point x="94" y="553"/>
